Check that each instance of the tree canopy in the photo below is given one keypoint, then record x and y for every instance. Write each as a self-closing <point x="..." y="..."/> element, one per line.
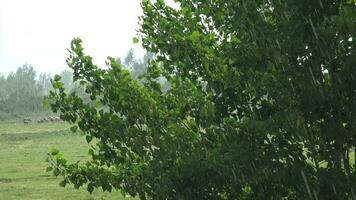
<point x="261" y="104"/>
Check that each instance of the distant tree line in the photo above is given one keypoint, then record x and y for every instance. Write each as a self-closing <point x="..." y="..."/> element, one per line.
<point x="22" y="93"/>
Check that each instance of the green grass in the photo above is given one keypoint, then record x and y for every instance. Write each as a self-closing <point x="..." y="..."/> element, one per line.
<point x="23" y="150"/>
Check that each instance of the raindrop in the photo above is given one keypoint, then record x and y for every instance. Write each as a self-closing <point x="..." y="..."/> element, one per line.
<point x="315" y="195"/>
<point x="279" y="46"/>
<point x="353" y="194"/>
<point x="306" y="184"/>
<point x="314" y="31"/>
<point x="312" y="75"/>
<point x="321" y="4"/>
<point x="334" y="189"/>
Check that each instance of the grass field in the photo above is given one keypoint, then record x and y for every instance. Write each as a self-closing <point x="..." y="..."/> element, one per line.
<point x="23" y="150"/>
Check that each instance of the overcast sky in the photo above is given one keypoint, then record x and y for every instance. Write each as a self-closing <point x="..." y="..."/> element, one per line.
<point x="38" y="32"/>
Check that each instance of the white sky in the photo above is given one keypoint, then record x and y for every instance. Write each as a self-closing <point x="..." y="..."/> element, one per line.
<point x="38" y="32"/>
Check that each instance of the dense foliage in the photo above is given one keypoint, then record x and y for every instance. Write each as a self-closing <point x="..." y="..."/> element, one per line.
<point x="261" y="104"/>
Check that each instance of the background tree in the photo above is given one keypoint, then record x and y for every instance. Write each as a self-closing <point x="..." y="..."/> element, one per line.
<point x="23" y="94"/>
<point x="261" y="104"/>
<point x="2" y="87"/>
<point x="45" y="80"/>
<point x="138" y="67"/>
<point x="67" y="79"/>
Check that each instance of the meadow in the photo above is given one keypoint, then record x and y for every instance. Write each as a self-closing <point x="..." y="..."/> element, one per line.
<point x="23" y="151"/>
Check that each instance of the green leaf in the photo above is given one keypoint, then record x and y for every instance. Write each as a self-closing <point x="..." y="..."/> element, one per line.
<point x="91" y="151"/>
<point x="54" y="151"/>
<point x="135" y="40"/>
<point x="90" y="188"/>
<point x="49" y="169"/>
<point x="56" y="172"/>
<point x="89" y="138"/>
<point x="63" y="183"/>
<point x="74" y="128"/>
<point x="195" y="36"/>
<point x="57" y="77"/>
<point x="98" y="104"/>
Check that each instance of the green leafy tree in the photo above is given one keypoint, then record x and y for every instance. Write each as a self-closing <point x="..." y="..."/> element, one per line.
<point x="261" y="104"/>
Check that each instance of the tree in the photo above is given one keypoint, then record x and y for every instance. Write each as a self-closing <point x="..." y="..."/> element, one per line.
<point x="130" y="58"/>
<point x="23" y="93"/>
<point x="2" y="86"/>
<point x="67" y="79"/>
<point x="45" y="82"/>
<point x="3" y="93"/>
<point x="261" y="104"/>
<point x="138" y="67"/>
